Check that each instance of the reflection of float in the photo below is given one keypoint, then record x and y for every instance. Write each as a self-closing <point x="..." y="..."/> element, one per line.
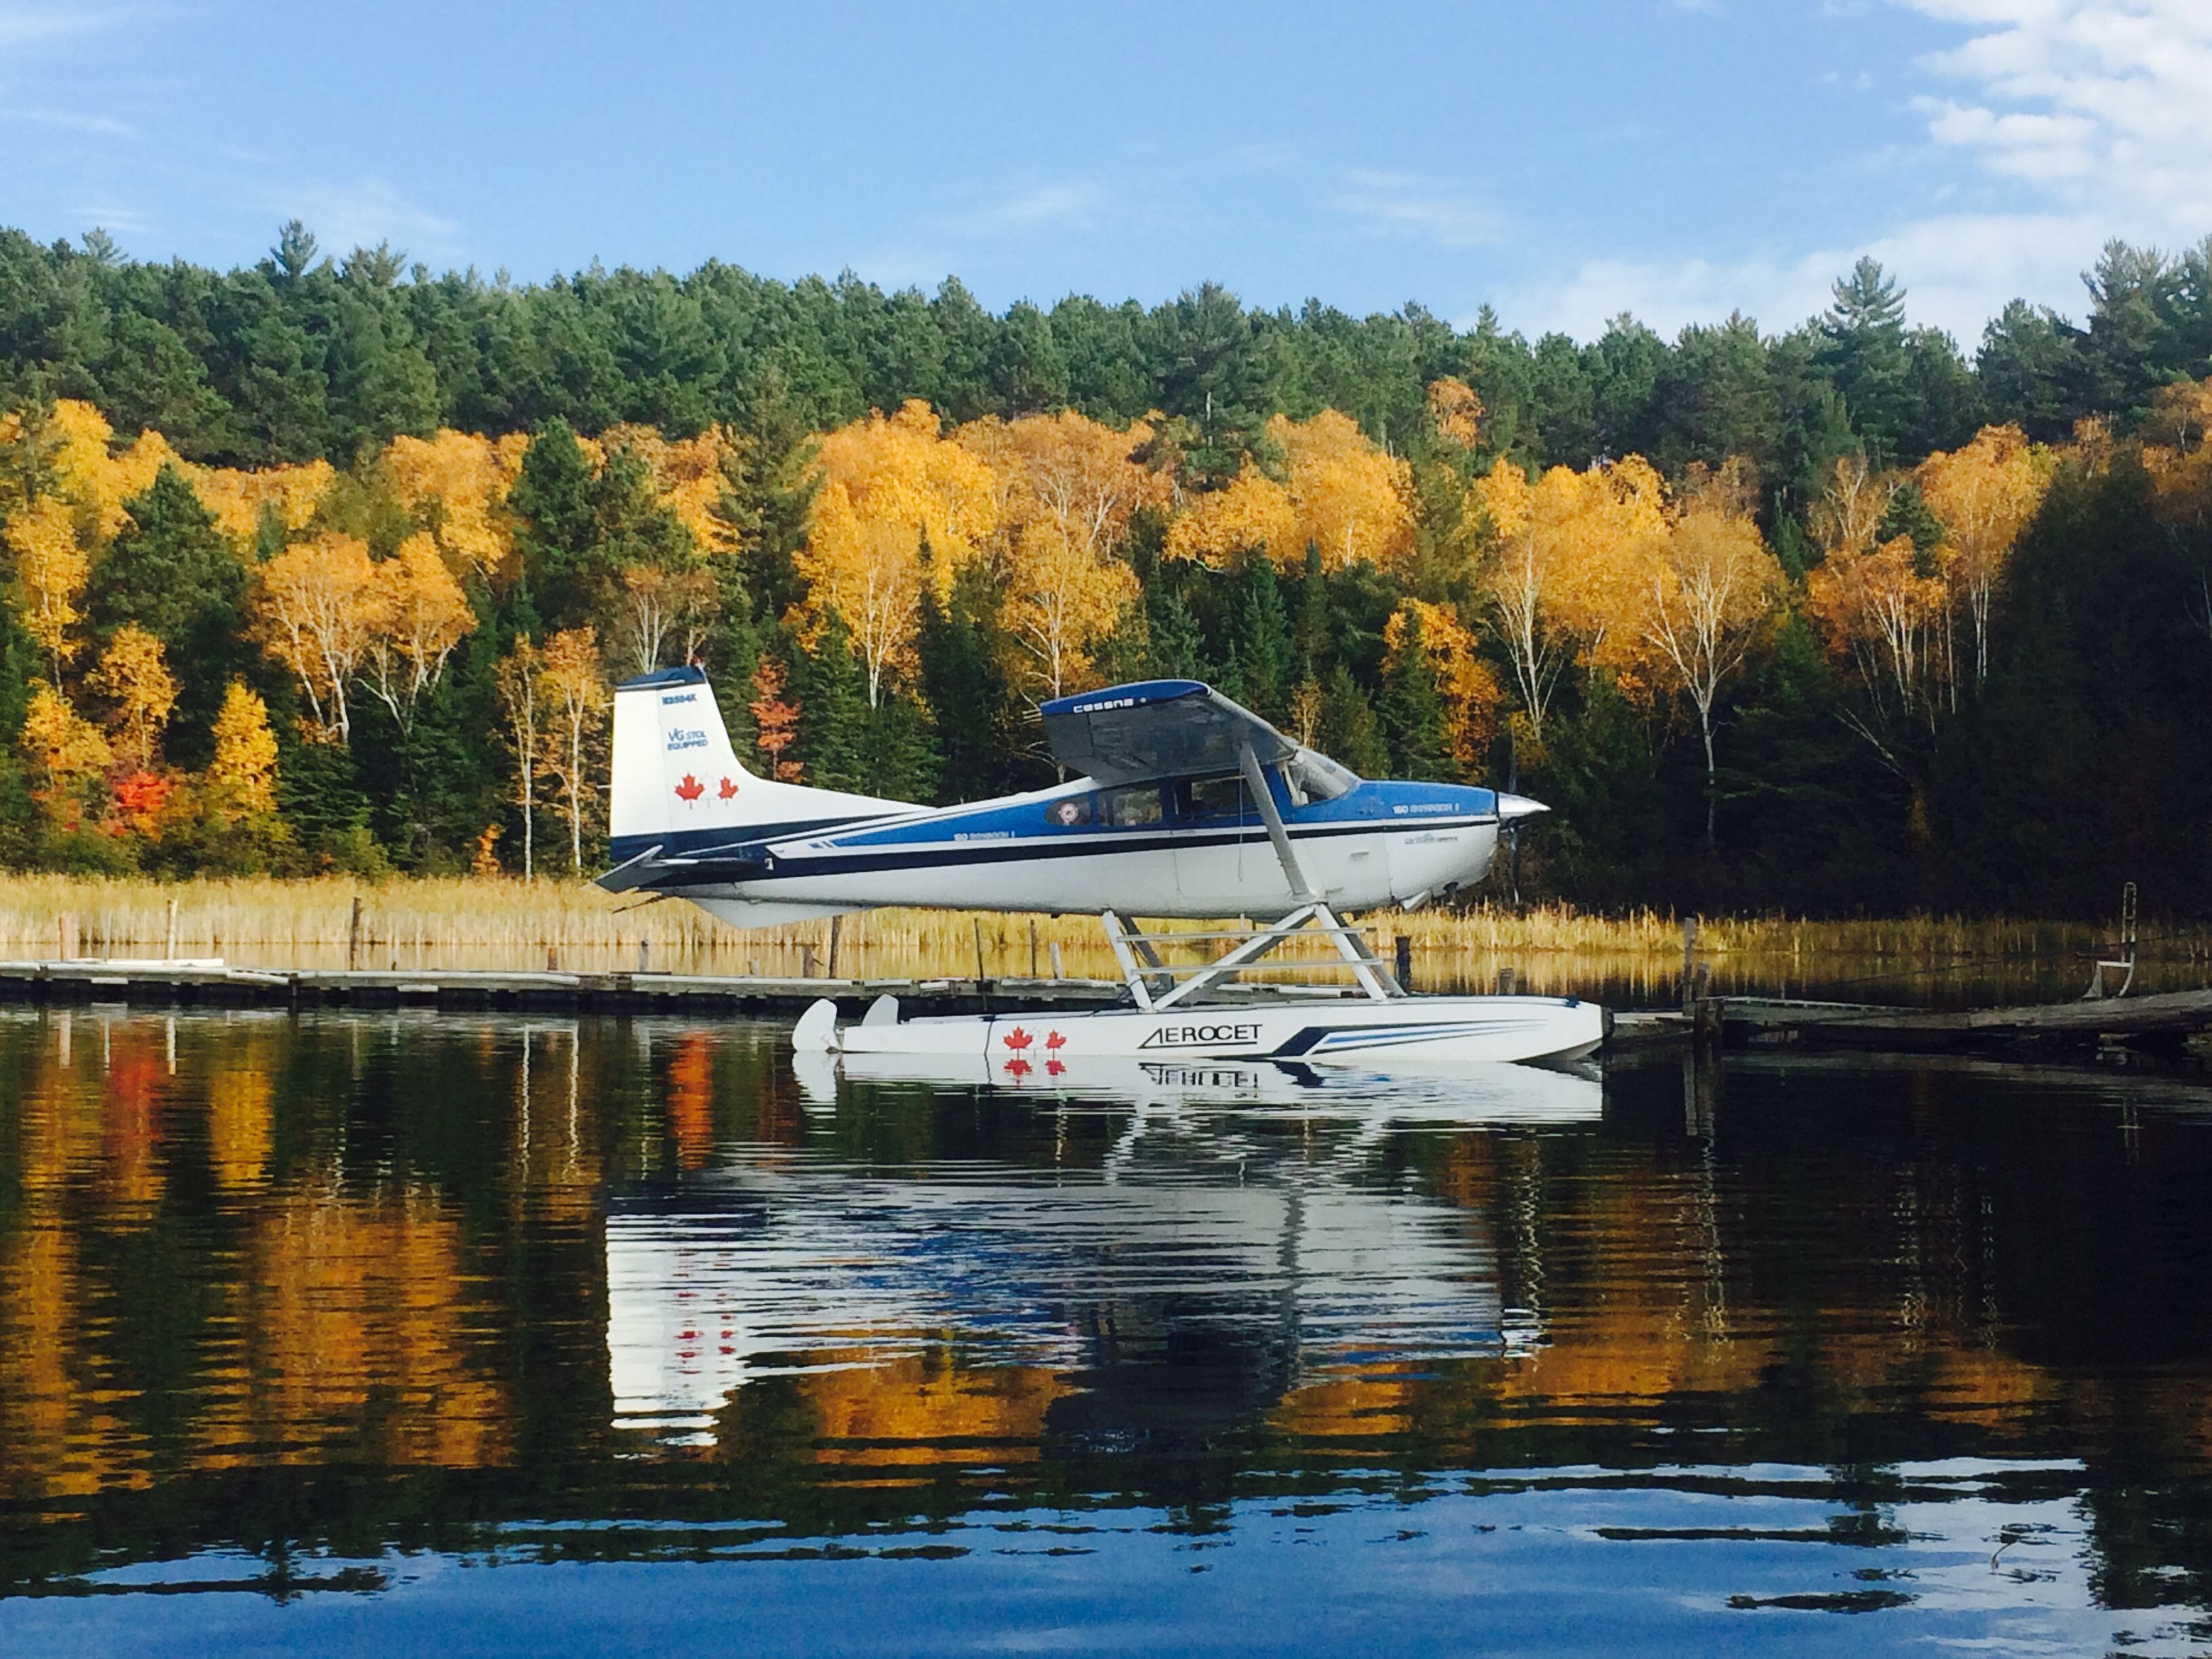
<point x="1467" y="1095"/>
<point x="1200" y="1225"/>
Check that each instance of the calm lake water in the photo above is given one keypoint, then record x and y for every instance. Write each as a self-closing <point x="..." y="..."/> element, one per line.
<point x="398" y="1335"/>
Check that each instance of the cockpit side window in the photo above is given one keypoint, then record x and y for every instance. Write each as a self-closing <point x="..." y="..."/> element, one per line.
<point x="1136" y="805"/>
<point x="1214" y="798"/>
<point x="1069" y="813"/>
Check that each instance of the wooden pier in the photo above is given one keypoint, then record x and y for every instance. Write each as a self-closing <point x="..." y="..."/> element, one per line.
<point x="2169" y="1021"/>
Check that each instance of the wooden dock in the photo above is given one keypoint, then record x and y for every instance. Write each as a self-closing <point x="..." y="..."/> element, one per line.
<point x="157" y="982"/>
<point x="2169" y="1020"/>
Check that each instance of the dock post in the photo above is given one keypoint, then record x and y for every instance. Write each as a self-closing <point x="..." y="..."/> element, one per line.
<point x="645" y="955"/>
<point x="1033" y="948"/>
<point x="982" y="980"/>
<point x="169" y="951"/>
<point x="1057" y="971"/>
<point x="1402" y="949"/>
<point x="353" y="937"/>
<point x="1689" y="961"/>
<point x="806" y="961"/>
<point x="836" y="928"/>
<point x="1509" y="982"/>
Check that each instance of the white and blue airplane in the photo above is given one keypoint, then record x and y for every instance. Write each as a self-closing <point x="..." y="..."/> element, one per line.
<point x="1180" y="804"/>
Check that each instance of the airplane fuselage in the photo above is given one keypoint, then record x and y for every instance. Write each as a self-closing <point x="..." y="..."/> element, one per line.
<point x="1191" y="847"/>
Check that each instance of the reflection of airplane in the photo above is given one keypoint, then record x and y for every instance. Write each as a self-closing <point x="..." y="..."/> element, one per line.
<point x="1212" y="1229"/>
<point x="1187" y="806"/>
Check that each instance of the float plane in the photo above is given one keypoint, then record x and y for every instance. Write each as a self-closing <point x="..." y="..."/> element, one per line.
<point x="1179" y="804"/>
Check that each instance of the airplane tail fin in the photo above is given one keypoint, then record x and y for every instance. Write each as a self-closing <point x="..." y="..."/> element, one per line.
<point x="677" y="784"/>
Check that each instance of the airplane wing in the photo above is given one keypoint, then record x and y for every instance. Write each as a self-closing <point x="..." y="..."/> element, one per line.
<point x="1157" y="729"/>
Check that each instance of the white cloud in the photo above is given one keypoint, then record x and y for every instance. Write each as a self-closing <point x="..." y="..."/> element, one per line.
<point x="1407" y="204"/>
<point x="363" y="213"/>
<point x="2081" y="120"/>
<point x="23" y="28"/>
<point x="102" y="126"/>
<point x="1958" y="270"/>
<point x="2086" y="104"/>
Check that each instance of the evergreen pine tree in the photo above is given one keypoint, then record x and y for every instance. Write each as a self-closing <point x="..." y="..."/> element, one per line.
<point x="1413" y="710"/>
<point x="556" y="529"/>
<point x="171" y="570"/>
<point x="1347" y="731"/>
<point x="1264" y="642"/>
<point x="833" y="722"/>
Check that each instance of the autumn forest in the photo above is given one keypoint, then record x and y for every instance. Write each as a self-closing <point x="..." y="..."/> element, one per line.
<point x="331" y="564"/>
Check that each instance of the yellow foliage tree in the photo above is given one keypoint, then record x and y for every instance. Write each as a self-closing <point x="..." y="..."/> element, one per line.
<point x="1350" y="498"/>
<point x="521" y="678"/>
<point x="1985" y="494"/>
<point x="1454" y="411"/>
<point x="237" y="499"/>
<point x="457" y="482"/>
<point x="316" y="610"/>
<point x="417" y="614"/>
<point x="1253" y="514"/>
<point x="133" y="675"/>
<point x="688" y="475"/>
<point x="50" y="568"/>
<point x="1712" y="583"/>
<point x="575" y="699"/>
<point x="244" y="769"/>
<point x="1064" y="488"/>
<point x="1563" y="569"/>
<point x="888" y="485"/>
<point x="1877" y="608"/>
<point x="65" y="751"/>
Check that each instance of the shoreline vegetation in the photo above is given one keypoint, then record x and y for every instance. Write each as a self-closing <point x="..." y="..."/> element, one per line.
<point x="504" y="923"/>
<point x="328" y="566"/>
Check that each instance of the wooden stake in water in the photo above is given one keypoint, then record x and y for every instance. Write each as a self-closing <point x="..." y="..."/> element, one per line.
<point x="837" y="924"/>
<point x="1056" y="971"/>
<point x="982" y="979"/>
<point x="353" y="937"/>
<point x="645" y="955"/>
<point x="1033" y="948"/>
<point x="169" y="950"/>
<point x="1689" y="960"/>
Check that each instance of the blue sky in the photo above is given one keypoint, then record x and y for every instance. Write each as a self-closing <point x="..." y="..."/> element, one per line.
<point x="1561" y="160"/>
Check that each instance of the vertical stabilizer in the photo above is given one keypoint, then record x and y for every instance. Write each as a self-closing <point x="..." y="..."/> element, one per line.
<point x="677" y="783"/>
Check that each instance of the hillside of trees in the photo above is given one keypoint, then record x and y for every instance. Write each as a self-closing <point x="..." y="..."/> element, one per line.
<point x="331" y="564"/>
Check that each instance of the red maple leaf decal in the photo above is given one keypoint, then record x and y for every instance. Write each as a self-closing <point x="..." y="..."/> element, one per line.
<point x="1055" y="1067"/>
<point x="729" y="789"/>
<point x="1053" y="1040"/>
<point x="1018" y="1068"/>
<point x="1017" y="1039"/>
<point x="691" y="788"/>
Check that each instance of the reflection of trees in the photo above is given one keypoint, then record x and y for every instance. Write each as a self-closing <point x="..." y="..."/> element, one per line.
<point x="347" y="1280"/>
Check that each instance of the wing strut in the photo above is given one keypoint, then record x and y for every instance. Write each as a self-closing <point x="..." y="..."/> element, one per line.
<point x="1256" y="781"/>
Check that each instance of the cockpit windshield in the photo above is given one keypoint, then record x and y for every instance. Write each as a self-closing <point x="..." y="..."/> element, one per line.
<point x="1314" y="774"/>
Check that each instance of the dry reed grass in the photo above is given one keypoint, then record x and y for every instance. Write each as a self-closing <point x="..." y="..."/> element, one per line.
<point x="508" y="924"/>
